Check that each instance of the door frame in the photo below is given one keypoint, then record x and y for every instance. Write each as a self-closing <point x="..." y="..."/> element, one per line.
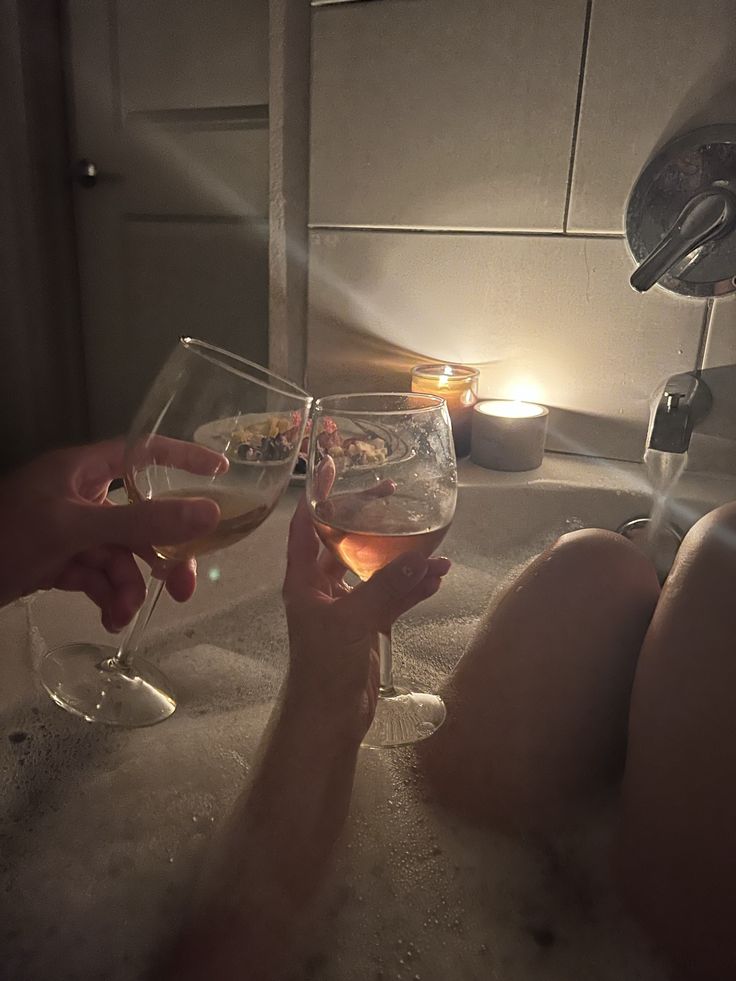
<point x="289" y="87"/>
<point x="42" y="368"/>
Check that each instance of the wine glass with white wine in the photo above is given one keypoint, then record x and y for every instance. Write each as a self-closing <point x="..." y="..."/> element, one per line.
<point x="213" y="425"/>
<point x="382" y="481"/>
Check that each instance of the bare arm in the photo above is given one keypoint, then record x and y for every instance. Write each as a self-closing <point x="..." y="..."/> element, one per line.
<point x="276" y="845"/>
<point x="270" y="858"/>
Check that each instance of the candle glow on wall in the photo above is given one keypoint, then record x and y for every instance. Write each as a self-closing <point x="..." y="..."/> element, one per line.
<point x="522" y="390"/>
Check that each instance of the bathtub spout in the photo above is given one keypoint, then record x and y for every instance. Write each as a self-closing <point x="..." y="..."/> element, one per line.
<point x="685" y="401"/>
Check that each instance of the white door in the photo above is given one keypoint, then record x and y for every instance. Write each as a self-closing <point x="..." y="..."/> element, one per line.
<point x="170" y="104"/>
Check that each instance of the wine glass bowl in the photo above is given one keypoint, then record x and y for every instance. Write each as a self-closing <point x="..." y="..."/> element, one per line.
<point x="171" y="452"/>
<point x="382" y="481"/>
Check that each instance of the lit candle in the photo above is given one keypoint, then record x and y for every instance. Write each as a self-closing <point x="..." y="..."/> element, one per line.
<point x="508" y="435"/>
<point x="457" y="384"/>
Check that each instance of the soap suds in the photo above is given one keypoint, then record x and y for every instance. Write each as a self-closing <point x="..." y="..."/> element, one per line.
<point x="102" y="829"/>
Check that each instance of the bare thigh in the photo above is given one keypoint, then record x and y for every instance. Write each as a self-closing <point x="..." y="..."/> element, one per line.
<point x="676" y="854"/>
<point x="538" y="706"/>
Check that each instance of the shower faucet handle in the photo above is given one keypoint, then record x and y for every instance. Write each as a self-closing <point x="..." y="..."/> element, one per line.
<point x="704" y="218"/>
<point x="681" y="215"/>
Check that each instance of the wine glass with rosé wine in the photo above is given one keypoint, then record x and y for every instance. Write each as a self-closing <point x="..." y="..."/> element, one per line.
<point x="382" y="481"/>
<point x="212" y="425"/>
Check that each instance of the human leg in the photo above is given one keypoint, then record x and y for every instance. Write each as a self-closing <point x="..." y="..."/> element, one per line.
<point x="676" y="852"/>
<point x="538" y="706"/>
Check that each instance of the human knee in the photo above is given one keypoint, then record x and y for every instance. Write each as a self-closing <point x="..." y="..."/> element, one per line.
<point x="715" y="531"/>
<point x="594" y="554"/>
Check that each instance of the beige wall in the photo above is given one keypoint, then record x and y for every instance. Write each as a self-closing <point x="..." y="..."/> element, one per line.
<point x="470" y="165"/>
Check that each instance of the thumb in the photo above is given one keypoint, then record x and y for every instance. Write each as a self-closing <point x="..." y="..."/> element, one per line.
<point x="371" y="605"/>
<point x="160" y="522"/>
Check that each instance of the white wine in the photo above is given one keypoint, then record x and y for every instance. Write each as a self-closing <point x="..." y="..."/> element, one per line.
<point x="241" y="512"/>
<point x="366" y="532"/>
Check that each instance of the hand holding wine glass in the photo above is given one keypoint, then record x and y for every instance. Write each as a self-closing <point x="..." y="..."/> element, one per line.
<point x="60" y="531"/>
<point x="213" y="427"/>
<point x="334" y="662"/>
<point x="382" y="482"/>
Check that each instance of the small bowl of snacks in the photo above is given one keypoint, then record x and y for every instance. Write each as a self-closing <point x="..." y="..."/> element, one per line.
<point x="257" y="438"/>
<point x="372" y="447"/>
<point x="263" y="439"/>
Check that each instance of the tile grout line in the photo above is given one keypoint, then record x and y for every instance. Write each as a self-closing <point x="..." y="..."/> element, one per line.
<point x="710" y="304"/>
<point x="578" y="106"/>
<point x="490" y="232"/>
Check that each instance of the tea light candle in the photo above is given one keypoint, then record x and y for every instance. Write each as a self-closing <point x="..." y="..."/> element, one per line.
<point x="457" y="384"/>
<point x="508" y="435"/>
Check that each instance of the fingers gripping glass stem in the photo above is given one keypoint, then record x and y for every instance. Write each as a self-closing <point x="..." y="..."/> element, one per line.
<point x="212" y="426"/>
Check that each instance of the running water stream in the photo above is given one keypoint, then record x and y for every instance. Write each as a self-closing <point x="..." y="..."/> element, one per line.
<point x="665" y="470"/>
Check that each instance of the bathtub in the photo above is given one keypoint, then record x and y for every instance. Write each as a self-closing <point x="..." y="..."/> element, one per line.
<point x="101" y="828"/>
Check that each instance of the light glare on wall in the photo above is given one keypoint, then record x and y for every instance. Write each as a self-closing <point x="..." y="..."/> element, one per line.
<point x="523" y="390"/>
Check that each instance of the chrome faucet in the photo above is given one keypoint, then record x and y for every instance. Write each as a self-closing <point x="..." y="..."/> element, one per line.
<point x="685" y="401"/>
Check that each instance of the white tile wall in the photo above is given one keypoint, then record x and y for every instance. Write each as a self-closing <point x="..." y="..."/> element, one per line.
<point x="451" y="118"/>
<point x="549" y="318"/>
<point x="721" y="346"/>
<point x="453" y="115"/>
<point x="654" y="69"/>
<point x="714" y="444"/>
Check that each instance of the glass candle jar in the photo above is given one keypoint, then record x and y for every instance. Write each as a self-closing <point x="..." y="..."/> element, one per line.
<point x="457" y="384"/>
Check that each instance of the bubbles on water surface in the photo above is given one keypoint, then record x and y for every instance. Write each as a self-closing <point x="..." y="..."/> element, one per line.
<point x="109" y="826"/>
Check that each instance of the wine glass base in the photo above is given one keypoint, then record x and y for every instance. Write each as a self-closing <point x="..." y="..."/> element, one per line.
<point x="404" y="718"/>
<point x="77" y="678"/>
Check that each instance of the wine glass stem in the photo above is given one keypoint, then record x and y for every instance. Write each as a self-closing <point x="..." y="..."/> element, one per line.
<point x="385" y="652"/>
<point x="132" y="638"/>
